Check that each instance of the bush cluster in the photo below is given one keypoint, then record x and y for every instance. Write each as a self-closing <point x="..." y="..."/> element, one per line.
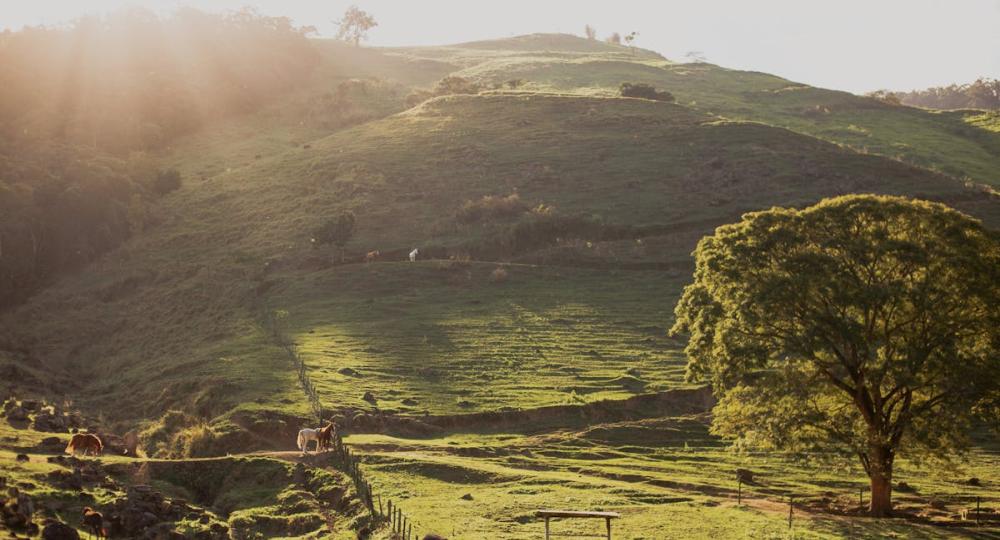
<point x="491" y="208"/>
<point x="645" y="91"/>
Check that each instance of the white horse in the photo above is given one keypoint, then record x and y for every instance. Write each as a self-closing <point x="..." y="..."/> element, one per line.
<point x="306" y="435"/>
<point x="413" y="254"/>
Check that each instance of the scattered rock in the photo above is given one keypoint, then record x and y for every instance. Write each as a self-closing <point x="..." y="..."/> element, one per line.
<point x="17" y="414"/>
<point x="903" y="487"/>
<point x="410" y="402"/>
<point x="370" y="398"/>
<point x="51" y="445"/>
<point x="973" y="482"/>
<point x="937" y="504"/>
<point x="30" y="405"/>
<point x="51" y="420"/>
<point x="66" y="479"/>
<point x="433" y="536"/>
<point x="633" y="372"/>
<point x="21" y="458"/>
<point x="17" y="510"/>
<point x="348" y="372"/>
<point x="466" y="497"/>
<point x="466" y="404"/>
<point x="744" y="475"/>
<point x="57" y="530"/>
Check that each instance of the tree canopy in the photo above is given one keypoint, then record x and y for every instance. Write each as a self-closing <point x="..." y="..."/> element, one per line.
<point x="337" y="231"/>
<point x="984" y="93"/>
<point x="354" y="26"/>
<point x="863" y="325"/>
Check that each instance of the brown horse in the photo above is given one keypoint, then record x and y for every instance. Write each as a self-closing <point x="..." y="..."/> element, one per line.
<point x="324" y="439"/>
<point x="371" y="256"/>
<point x="85" y="442"/>
<point x="93" y="521"/>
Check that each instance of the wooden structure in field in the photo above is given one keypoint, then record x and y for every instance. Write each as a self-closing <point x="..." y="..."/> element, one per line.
<point x="549" y="514"/>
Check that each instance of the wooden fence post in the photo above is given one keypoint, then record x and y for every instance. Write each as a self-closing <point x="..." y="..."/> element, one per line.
<point x="791" y="502"/>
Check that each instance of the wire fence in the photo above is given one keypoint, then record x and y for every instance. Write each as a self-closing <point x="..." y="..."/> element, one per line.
<point x="968" y="509"/>
<point x="401" y="526"/>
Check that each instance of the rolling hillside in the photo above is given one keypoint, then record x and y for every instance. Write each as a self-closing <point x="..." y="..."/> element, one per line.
<point x="627" y="187"/>
<point x="562" y="298"/>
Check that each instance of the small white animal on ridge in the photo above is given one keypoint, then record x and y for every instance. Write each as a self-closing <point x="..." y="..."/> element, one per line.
<point x="413" y="254"/>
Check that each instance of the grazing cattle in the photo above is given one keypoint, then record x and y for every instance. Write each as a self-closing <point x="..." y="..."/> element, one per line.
<point x="324" y="440"/>
<point x="305" y="436"/>
<point x="371" y="256"/>
<point x="413" y="254"/>
<point x="86" y="443"/>
<point x="93" y="521"/>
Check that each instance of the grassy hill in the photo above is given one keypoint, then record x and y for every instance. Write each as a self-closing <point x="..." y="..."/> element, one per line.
<point x="561" y="298"/>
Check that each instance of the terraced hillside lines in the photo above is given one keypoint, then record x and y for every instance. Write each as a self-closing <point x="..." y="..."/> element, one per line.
<point x="957" y="144"/>
<point x="668" y="477"/>
<point x="170" y="320"/>
<point x="442" y="337"/>
<point x="172" y="314"/>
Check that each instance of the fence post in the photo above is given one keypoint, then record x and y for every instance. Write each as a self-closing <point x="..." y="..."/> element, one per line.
<point x="791" y="506"/>
<point x="978" y="512"/>
<point x="861" y="497"/>
<point x="739" y="492"/>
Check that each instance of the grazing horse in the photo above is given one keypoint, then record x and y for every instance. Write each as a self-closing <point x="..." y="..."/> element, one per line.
<point x="324" y="440"/>
<point x="306" y="435"/>
<point x="371" y="256"/>
<point x="85" y="442"/>
<point x="93" y="521"/>
<point x="413" y="254"/>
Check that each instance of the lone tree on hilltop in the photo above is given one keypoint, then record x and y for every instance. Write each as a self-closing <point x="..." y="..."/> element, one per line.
<point x="864" y="325"/>
<point x="614" y="39"/>
<point x="630" y="40"/>
<point x="354" y="26"/>
<point x="590" y="32"/>
<point x="338" y="231"/>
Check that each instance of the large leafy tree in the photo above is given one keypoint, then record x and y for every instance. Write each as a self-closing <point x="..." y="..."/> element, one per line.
<point x="337" y="231"/>
<point x="863" y="325"/>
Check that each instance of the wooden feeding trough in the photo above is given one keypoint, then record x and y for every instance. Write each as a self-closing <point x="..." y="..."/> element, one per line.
<point x="549" y="514"/>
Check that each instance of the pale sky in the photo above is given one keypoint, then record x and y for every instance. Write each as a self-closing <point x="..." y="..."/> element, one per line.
<point x="855" y="45"/>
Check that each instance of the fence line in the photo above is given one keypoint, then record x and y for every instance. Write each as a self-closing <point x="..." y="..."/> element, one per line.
<point x="401" y="525"/>
<point x="272" y="322"/>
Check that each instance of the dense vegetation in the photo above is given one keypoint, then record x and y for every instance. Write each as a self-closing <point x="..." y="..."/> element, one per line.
<point x="984" y="93"/>
<point x="79" y="106"/>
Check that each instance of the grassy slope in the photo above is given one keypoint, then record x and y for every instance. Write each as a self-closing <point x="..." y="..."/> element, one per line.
<point x="953" y="142"/>
<point x="668" y="478"/>
<point x="172" y="319"/>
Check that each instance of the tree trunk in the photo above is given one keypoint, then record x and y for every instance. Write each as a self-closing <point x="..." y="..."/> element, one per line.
<point x="880" y="460"/>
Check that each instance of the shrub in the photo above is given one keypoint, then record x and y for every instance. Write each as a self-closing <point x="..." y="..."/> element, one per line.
<point x="491" y="207"/>
<point x="499" y="275"/>
<point x="417" y="97"/>
<point x="456" y="85"/>
<point x="166" y="181"/>
<point x="645" y="91"/>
